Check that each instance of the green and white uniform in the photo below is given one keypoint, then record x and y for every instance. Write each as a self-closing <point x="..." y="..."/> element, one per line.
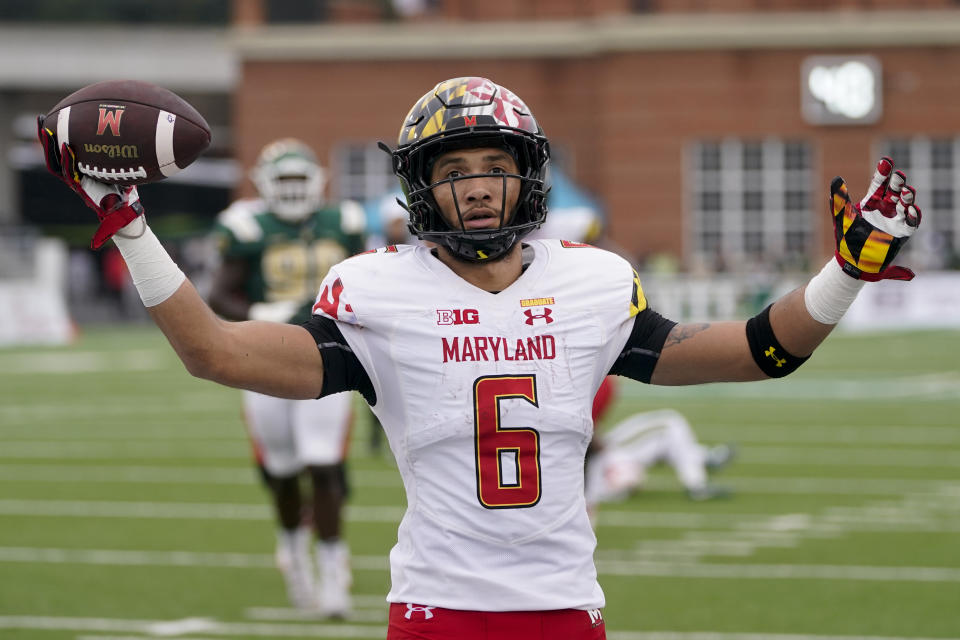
<point x="287" y="261"/>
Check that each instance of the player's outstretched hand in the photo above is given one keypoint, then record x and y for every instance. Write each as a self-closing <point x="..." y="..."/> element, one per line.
<point x="870" y="233"/>
<point x="114" y="205"/>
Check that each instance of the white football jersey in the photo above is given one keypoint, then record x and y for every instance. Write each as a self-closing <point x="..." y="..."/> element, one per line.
<point x="485" y="399"/>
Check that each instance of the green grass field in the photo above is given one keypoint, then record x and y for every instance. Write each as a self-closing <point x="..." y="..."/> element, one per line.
<point x="129" y="509"/>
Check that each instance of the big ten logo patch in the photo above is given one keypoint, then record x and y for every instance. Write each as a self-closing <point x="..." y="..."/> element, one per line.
<point x="457" y="316"/>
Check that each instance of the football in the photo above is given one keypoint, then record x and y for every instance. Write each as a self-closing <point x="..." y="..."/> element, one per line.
<point x="129" y="132"/>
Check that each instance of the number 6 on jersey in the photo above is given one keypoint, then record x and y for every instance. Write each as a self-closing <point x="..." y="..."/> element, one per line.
<point x="508" y="458"/>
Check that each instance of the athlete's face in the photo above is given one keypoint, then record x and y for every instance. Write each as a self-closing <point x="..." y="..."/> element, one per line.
<point x="480" y="199"/>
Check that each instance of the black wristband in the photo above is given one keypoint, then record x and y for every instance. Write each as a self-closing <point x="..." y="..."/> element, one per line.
<point x="767" y="352"/>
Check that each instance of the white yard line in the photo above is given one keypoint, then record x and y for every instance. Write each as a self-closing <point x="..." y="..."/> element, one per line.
<point x="934" y="512"/>
<point x="189" y="401"/>
<point x="778" y="571"/>
<point x="816" y="486"/>
<point x="713" y="635"/>
<point x="73" y="362"/>
<point x="618" y="566"/>
<point x="112" y="557"/>
<point x="243" y="476"/>
<point x="358" y="614"/>
<point x="854" y="456"/>
<point x="112" y="637"/>
<point x="59" y="474"/>
<point x="175" y="510"/>
<point x="935" y="386"/>
<point x="154" y="628"/>
<point x="239" y="449"/>
<point x="928" y="511"/>
<point x="171" y="449"/>
<point x="146" y="630"/>
<point x="859" y="434"/>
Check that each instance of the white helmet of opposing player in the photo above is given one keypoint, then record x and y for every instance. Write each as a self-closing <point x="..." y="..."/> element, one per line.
<point x="289" y="179"/>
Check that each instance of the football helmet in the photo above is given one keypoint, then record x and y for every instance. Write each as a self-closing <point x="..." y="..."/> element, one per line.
<point x="289" y="179"/>
<point x="461" y="113"/>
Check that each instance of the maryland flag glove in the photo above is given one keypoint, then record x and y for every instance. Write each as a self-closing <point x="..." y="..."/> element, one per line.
<point x="115" y="206"/>
<point x="870" y="234"/>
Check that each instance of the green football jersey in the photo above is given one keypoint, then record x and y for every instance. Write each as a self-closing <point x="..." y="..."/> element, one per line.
<point x="288" y="260"/>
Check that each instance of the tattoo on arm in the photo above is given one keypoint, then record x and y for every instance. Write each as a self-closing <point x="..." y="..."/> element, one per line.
<point x="683" y="332"/>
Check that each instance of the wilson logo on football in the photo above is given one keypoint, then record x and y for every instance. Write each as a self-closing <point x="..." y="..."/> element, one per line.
<point x="545" y="316"/>
<point x="109" y="118"/>
<point x="458" y="316"/>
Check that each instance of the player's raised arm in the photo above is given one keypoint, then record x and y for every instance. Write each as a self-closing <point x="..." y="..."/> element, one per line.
<point x="276" y="359"/>
<point x="774" y="343"/>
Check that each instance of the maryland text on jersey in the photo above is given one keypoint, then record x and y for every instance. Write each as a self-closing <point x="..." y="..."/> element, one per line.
<point x="497" y="348"/>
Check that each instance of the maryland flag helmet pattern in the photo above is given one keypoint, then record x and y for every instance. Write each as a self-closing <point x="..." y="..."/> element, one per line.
<point x="464" y="113"/>
<point x="869" y="234"/>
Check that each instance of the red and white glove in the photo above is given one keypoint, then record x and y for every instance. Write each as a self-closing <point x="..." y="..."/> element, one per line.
<point x="869" y="234"/>
<point x="115" y="206"/>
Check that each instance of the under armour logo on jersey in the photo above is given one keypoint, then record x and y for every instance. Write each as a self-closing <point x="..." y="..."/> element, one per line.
<point x="426" y="611"/>
<point x="545" y="316"/>
<point x="596" y="619"/>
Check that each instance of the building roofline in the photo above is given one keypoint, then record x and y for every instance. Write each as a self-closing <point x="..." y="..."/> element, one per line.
<point x="836" y="30"/>
<point x="57" y="56"/>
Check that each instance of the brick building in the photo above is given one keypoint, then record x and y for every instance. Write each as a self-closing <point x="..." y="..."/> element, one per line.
<point x="684" y="117"/>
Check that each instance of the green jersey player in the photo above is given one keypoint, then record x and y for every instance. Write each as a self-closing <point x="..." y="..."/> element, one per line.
<point x="275" y="251"/>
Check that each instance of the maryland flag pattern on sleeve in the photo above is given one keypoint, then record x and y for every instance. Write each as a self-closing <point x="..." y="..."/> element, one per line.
<point x="638" y="301"/>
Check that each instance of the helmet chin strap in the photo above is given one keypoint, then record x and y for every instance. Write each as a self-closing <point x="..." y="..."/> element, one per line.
<point x="481" y="245"/>
<point x="465" y="250"/>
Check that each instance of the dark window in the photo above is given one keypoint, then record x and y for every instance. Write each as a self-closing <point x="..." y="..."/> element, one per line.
<point x="900" y="151"/>
<point x="795" y="156"/>
<point x="942" y="199"/>
<point x="941" y="154"/>
<point x="710" y="201"/>
<point x="796" y="242"/>
<point x="710" y="157"/>
<point x="752" y="156"/>
<point x="796" y="200"/>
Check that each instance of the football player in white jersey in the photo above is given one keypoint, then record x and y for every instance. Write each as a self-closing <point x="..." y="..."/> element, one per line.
<point x="623" y="453"/>
<point x="481" y="357"/>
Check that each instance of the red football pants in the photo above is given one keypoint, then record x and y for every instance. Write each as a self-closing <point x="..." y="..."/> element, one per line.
<point x="417" y="622"/>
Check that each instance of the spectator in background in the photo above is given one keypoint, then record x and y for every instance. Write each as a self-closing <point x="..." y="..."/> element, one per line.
<point x="387" y="221"/>
<point x="275" y="252"/>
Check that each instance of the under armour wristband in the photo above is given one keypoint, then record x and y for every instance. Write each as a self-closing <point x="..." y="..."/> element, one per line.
<point x="155" y="275"/>
<point x="830" y="293"/>
<point x="766" y="350"/>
